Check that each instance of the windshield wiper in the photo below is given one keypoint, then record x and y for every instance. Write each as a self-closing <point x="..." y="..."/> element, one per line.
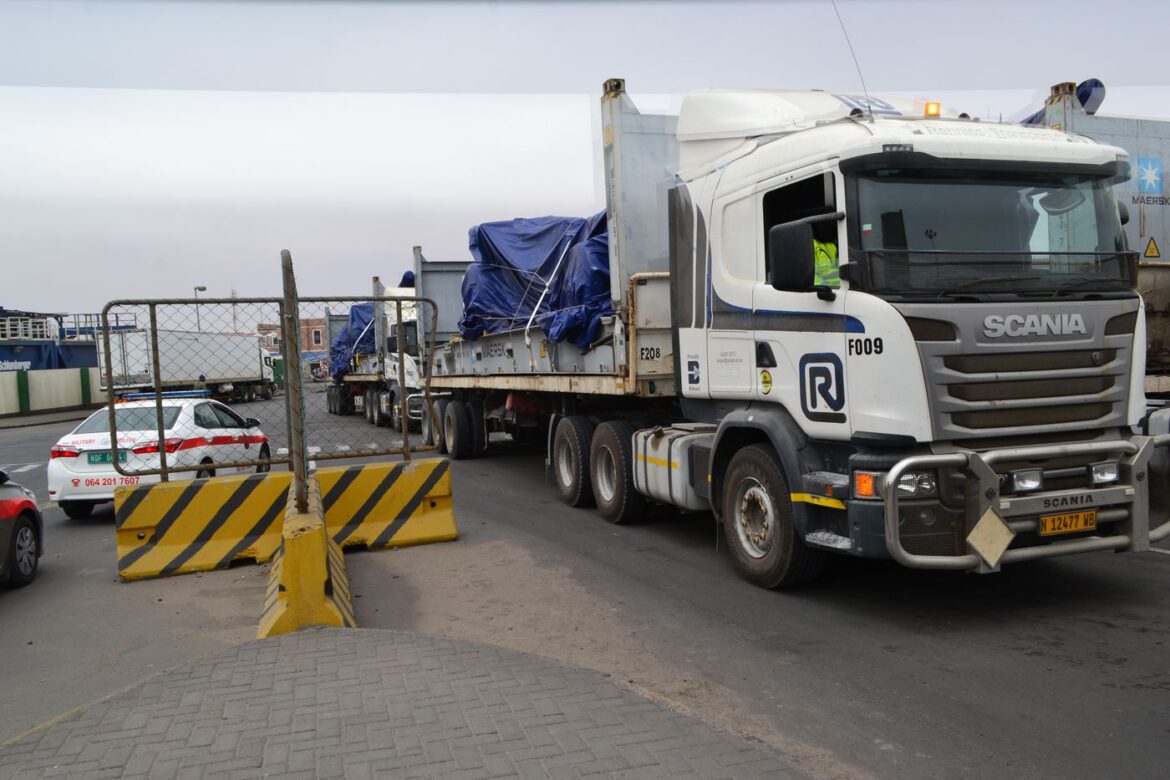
<point x="970" y="283"/>
<point x="1107" y="285"/>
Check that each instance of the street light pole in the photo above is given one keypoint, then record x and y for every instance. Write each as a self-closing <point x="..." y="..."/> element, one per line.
<point x="198" y="289"/>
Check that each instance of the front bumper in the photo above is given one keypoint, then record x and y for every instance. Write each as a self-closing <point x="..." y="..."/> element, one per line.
<point x="1125" y="506"/>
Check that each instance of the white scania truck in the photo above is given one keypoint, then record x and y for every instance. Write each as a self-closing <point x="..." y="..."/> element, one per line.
<point x="970" y="396"/>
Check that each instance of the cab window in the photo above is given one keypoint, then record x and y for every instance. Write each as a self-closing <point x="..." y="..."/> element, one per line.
<point x="804" y="198"/>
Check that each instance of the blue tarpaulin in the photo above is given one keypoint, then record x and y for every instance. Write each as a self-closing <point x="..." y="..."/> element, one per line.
<point x="515" y="260"/>
<point x="356" y="338"/>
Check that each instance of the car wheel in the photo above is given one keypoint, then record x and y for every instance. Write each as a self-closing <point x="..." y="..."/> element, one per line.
<point x="22" y="553"/>
<point x="206" y="472"/>
<point x="265" y="454"/>
<point x="75" y="510"/>
<point x="758" y="525"/>
<point x="611" y="464"/>
<point x="570" y="461"/>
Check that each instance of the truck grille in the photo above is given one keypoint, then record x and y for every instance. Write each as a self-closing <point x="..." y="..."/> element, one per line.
<point x="984" y="388"/>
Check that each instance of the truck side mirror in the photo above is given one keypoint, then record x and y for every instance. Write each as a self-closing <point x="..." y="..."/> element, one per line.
<point x="791" y="263"/>
<point x="1123" y="212"/>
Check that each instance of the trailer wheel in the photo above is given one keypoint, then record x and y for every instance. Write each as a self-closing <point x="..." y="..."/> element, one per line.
<point x="428" y="426"/>
<point x="329" y="403"/>
<point x="758" y="525"/>
<point x="570" y="461"/>
<point x="478" y="431"/>
<point x="457" y="430"/>
<point x="437" y="425"/>
<point x="611" y="465"/>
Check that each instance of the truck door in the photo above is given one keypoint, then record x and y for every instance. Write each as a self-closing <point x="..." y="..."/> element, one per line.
<point x="730" y="342"/>
<point x="800" y="338"/>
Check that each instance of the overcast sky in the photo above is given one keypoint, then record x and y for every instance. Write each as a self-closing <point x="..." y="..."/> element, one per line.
<point x="152" y="145"/>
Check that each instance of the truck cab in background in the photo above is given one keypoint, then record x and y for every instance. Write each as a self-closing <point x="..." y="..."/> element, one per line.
<point x="969" y="392"/>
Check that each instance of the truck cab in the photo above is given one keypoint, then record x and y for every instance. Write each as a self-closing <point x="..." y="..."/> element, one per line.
<point x="978" y="365"/>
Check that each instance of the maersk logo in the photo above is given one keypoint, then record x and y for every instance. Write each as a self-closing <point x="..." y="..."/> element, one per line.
<point x="1150" y="175"/>
<point x="1016" y="325"/>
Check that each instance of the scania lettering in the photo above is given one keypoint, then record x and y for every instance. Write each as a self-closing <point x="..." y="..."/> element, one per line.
<point x="980" y="359"/>
<point x="1016" y="325"/>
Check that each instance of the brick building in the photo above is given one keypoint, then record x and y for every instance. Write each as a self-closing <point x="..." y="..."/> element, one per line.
<point x="314" y="336"/>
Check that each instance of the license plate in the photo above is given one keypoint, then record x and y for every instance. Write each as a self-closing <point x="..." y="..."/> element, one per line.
<point x="98" y="458"/>
<point x="1068" y="523"/>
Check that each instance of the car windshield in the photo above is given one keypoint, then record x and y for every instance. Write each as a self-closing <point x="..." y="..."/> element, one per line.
<point x="128" y="419"/>
<point x="940" y="232"/>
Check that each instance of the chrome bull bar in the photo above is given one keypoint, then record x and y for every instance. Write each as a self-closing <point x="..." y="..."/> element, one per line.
<point x="1019" y="512"/>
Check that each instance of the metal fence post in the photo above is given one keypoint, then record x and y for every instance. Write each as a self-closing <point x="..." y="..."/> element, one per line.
<point x="158" y="391"/>
<point x="294" y="384"/>
<point x="404" y="408"/>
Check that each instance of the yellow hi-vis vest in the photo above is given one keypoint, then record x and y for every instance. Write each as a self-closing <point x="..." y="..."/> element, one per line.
<point x="826" y="273"/>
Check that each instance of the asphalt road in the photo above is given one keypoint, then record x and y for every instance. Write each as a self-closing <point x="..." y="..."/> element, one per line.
<point x="1057" y="669"/>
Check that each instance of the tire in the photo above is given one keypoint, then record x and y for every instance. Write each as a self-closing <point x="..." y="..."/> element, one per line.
<point x="331" y="399"/>
<point x="23" y="553"/>
<point x="395" y="412"/>
<point x="265" y="454"/>
<point x="758" y="525"/>
<point x="427" y="428"/>
<point x="570" y="460"/>
<point x="204" y="473"/>
<point x="457" y="430"/>
<point x="368" y="404"/>
<point x="440" y="432"/>
<point x="76" y="510"/>
<point x="478" y="432"/>
<point x="611" y="470"/>
<point x="381" y="419"/>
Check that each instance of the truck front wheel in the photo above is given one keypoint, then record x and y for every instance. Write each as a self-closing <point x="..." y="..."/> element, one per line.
<point x="570" y="460"/>
<point x="611" y="463"/>
<point x="758" y="524"/>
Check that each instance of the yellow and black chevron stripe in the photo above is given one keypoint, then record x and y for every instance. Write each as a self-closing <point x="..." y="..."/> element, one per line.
<point x="388" y="504"/>
<point x="199" y="525"/>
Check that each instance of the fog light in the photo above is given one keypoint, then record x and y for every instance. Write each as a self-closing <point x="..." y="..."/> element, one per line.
<point x="1027" y="480"/>
<point x="1104" y="473"/>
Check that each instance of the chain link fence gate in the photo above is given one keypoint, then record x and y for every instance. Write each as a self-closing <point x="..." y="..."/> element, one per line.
<point x="203" y="387"/>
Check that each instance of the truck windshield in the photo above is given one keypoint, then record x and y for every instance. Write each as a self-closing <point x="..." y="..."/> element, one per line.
<point x="939" y="232"/>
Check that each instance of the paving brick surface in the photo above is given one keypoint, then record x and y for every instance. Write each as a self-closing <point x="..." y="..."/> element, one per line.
<point x="380" y="704"/>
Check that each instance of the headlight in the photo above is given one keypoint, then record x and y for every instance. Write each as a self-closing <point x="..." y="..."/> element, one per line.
<point x="1104" y="473"/>
<point x="916" y="484"/>
<point x="1027" y="480"/>
<point x="912" y="484"/>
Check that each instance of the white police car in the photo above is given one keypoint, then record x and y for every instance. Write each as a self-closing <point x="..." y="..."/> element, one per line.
<point x="198" y="431"/>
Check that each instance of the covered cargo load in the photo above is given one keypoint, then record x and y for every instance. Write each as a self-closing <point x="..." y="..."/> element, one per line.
<point x="556" y="268"/>
<point x="356" y="338"/>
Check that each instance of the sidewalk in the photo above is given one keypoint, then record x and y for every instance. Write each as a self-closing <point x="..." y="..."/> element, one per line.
<point x="45" y="418"/>
<point x="370" y="703"/>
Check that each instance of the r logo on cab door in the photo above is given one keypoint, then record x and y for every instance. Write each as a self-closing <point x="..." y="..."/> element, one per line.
<point x="822" y="387"/>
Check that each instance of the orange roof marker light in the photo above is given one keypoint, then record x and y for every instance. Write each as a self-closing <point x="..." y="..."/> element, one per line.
<point x="933" y="109"/>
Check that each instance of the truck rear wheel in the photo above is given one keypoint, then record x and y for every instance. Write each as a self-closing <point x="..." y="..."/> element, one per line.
<point x="758" y="524"/>
<point x="368" y="404"/>
<point x="381" y="417"/>
<point x="570" y="460"/>
<point x="611" y="465"/>
<point x="439" y="426"/>
<point x="457" y="430"/>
